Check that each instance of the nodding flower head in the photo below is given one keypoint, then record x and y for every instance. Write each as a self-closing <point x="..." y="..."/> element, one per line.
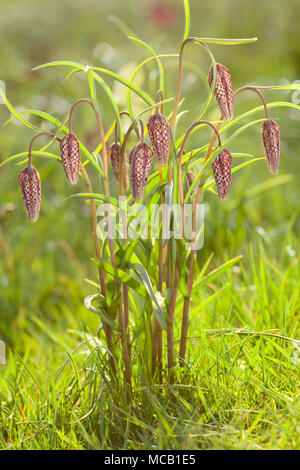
<point x="114" y="155"/>
<point x="222" y="172"/>
<point x="70" y="156"/>
<point x="30" y="185"/>
<point x="140" y="161"/>
<point x="270" y="134"/>
<point x="223" y="90"/>
<point x="158" y="129"/>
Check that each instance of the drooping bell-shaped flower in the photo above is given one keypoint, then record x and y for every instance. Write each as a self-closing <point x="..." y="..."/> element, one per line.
<point x="140" y="161"/>
<point x="223" y="90"/>
<point x="114" y="155"/>
<point x="30" y="185"/>
<point x="159" y="133"/>
<point x="70" y="156"/>
<point x="222" y="172"/>
<point x="270" y="133"/>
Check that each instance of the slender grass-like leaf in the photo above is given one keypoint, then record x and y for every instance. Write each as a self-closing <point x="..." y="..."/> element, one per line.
<point x="126" y="83"/>
<point x="226" y="42"/>
<point x="58" y="124"/>
<point x="161" y="72"/>
<point x="80" y="67"/>
<point x="216" y="273"/>
<point x="121" y="25"/>
<point x="101" y="197"/>
<point x="15" y="113"/>
<point x="36" y="153"/>
<point x="111" y="98"/>
<point x="123" y="277"/>
<point x="136" y="71"/>
<point x="187" y="19"/>
<point x="156" y="297"/>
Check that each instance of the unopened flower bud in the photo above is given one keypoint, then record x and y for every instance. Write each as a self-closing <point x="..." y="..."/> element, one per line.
<point x="30" y="185"/>
<point x="114" y="155"/>
<point x="70" y="156"/>
<point x="158" y="129"/>
<point x="222" y="172"/>
<point x="223" y="90"/>
<point x="270" y="134"/>
<point x="140" y="161"/>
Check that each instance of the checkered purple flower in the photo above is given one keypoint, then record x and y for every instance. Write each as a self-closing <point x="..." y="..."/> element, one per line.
<point x="159" y="133"/>
<point x="70" y="156"/>
<point x="30" y="185"/>
<point x="223" y="91"/>
<point x="222" y="172"/>
<point x="140" y="161"/>
<point x="270" y="134"/>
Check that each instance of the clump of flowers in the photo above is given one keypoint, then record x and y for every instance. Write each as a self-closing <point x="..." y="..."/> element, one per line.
<point x="125" y="263"/>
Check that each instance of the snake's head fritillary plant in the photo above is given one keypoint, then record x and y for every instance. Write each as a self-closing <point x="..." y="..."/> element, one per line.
<point x="271" y="142"/>
<point x="223" y="90"/>
<point x="70" y="156"/>
<point x="162" y="267"/>
<point x="30" y="185"/>
<point x="140" y="161"/>
<point x="222" y="172"/>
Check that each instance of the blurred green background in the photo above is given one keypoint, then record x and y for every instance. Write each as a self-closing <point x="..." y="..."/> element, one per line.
<point x="42" y="266"/>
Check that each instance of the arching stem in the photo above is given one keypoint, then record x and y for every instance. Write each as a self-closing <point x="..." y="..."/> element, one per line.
<point x="40" y="134"/>
<point x="196" y="202"/>
<point x="110" y="241"/>
<point x="258" y="92"/>
<point x="160" y="95"/>
<point x="177" y="267"/>
<point x="180" y="154"/>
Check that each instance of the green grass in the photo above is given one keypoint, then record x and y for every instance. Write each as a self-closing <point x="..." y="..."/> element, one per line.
<point x="237" y="391"/>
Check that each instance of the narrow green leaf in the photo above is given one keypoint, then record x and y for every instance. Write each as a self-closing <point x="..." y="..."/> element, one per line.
<point x="25" y="154"/>
<point x="156" y="297"/>
<point x="123" y="277"/>
<point x="88" y="301"/>
<point x="216" y="272"/>
<point x="159" y="63"/>
<point x="187" y="19"/>
<point x="126" y="83"/>
<point x="58" y="124"/>
<point x="226" y="42"/>
<point x="16" y="113"/>
<point x="101" y="197"/>
<point x="136" y="71"/>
